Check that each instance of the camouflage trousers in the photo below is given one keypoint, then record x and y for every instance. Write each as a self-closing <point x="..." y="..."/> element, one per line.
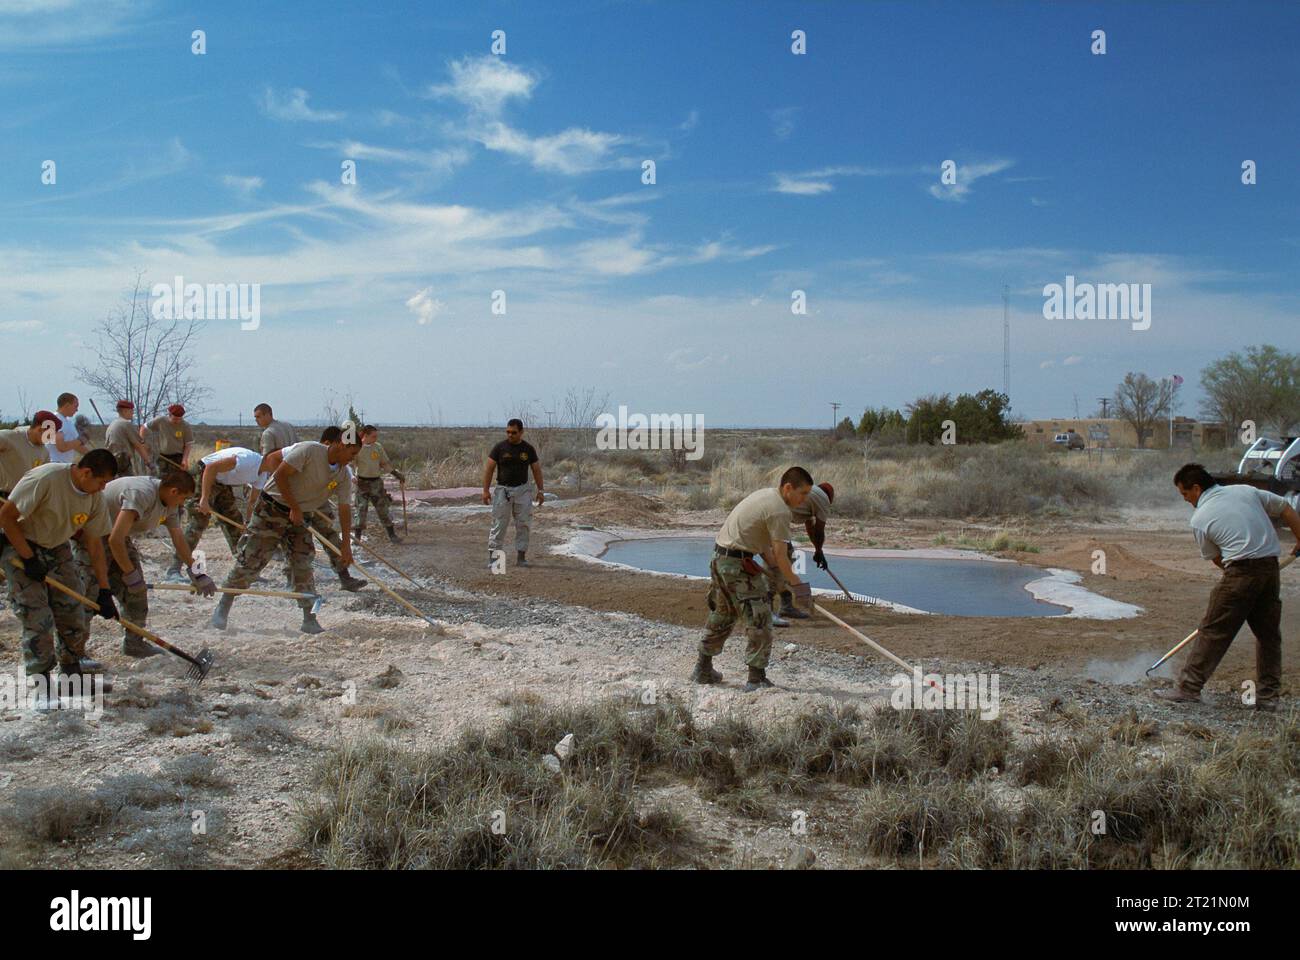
<point x="54" y="628"/>
<point x="160" y="467"/>
<point x="324" y="522"/>
<point x="776" y="584"/>
<point x="371" y="490"/>
<point x="223" y="501"/>
<point x="735" y="594"/>
<point x="271" y="528"/>
<point x="133" y="606"/>
<point x="125" y="466"/>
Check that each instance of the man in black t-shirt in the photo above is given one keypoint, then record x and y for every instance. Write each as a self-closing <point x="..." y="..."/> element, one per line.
<point x="511" y="459"/>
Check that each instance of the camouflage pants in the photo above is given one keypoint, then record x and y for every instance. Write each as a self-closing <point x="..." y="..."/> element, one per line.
<point x="124" y="465"/>
<point x="223" y="501"/>
<point x="776" y="584"/>
<point x="371" y="490"/>
<point x="54" y="629"/>
<point x="161" y="467"/>
<point x="271" y="528"/>
<point x="735" y="594"/>
<point x="323" y="522"/>
<point x="133" y="606"/>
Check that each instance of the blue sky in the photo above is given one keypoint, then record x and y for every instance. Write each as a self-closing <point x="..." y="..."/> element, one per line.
<point x="775" y="172"/>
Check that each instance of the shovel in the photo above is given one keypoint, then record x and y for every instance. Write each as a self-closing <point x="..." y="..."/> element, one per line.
<point x="1188" y="639"/>
<point x="199" y="666"/>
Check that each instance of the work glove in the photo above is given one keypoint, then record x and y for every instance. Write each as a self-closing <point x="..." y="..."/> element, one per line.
<point x="135" y="581"/>
<point x="819" y="558"/>
<point x="107" y="608"/>
<point x="202" y="583"/>
<point x="397" y="474"/>
<point x="35" y="568"/>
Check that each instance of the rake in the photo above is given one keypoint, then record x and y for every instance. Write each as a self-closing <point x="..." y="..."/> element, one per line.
<point x="199" y="666"/>
<point x="317" y="599"/>
<point x="1188" y="639"/>
<point x="852" y="598"/>
<point x="874" y="646"/>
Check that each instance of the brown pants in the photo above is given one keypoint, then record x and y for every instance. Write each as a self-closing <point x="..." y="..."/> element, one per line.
<point x="1248" y="593"/>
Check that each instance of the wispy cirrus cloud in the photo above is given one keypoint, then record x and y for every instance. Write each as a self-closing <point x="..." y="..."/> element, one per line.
<point x="485" y="84"/>
<point x="244" y="186"/>
<point x="814" y="182"/>
<point x="292" y="105"/>
<point x="46" y="23"/>
<point x="966" y="175"/>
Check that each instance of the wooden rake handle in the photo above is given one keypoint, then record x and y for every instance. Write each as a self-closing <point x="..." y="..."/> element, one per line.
<point x="872" y="644"/>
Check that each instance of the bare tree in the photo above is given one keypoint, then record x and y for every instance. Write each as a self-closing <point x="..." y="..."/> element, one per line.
<point x="578" y="412"/>
<point x="1142" y="402"/>
<point x="145" y="359"/>
<point x="25" y="405"/>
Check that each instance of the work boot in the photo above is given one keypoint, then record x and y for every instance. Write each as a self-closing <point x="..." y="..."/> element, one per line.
<point x="133" y="646"/>
<point x="757" y="680"/>
<point x="788" y="609"/>
<point x="356" y="533"/>
<point x="704" y="672"/>
<point x="310" y="624"/>
<point x="173" y="573"/>
<point x="392" y="534"/>
<point x="43" y="690"/>
<point x="222" y="612"/>
<point x="89" y="665"/>
<point x="519" y="559"/>
<point x="90" y="682"/>
<point x="1177" y="694"/>
<point x="349" y="582"/>
<point x="1267" y="706"/>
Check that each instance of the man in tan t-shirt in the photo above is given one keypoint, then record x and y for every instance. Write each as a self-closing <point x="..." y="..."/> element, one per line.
<point x="137" y="506"/>
<point x="23" y="448"/>
<point x="308" y="475"/>
<point x="121" y="440"/>
<point x="173" y="438"/>
<point x="372" y="463"/>
<point x="757" y="526"/>
<point x="50" y="505"/>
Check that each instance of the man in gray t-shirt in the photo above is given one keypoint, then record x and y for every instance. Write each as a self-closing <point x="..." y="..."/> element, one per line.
<point x="1233" y="525"/>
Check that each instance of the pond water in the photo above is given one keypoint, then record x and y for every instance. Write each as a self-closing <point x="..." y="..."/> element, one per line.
<point x="966" y="588"/>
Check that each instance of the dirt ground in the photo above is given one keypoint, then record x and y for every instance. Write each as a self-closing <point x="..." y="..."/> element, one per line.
<point x="562" y="629"/>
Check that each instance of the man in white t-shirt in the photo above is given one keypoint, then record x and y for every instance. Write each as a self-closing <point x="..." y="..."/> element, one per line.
<point x="1233" y="526"/>
<point x="216" y="477"/>
<point x="68" y="446"/>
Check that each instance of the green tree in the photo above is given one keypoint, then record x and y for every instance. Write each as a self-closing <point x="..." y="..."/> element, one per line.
<point x="1263" y="385"/>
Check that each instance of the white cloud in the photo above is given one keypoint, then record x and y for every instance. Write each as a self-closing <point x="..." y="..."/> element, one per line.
<point x="292" y="105"/>
<point x="967" y="174"/>
<point x="813" y="182"/>
<point x="245" y="186"/>
<point x="684" y="360"/>
<point x="424" y="306"/>
<point x="485" y="83"/>
<point x="1072" y="360"/>
<point x="20" y="326"/>
<point x="38" y="23"/>
<point x="571" y="151"/>
<point x="691" y="121"/>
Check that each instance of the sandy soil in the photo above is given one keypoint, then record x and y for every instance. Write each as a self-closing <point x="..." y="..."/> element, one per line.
<point x="565" y="629"/>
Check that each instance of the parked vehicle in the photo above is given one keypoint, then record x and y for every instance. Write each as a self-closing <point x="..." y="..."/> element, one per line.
<point x="1070" y="440"/>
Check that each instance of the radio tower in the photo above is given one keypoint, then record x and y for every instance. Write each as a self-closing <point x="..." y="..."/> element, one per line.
<point x="1006" y="340"/>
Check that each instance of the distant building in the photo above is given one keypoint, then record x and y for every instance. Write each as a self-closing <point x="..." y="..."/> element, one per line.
<point x="1112" y="433"/>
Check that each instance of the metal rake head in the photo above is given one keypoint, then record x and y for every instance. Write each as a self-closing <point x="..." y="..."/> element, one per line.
<point x="200" y="665"/>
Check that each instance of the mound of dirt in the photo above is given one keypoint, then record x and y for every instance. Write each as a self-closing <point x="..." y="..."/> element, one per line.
<point x="616" y="508"/>
<point x="1080" y="555"/>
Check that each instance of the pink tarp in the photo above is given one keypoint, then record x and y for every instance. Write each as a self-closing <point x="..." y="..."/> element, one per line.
<point x="446" y="493"/>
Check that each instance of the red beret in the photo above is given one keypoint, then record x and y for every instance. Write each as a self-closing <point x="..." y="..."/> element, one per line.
<point x="44" y="416"/>
<point x="176" y="410"/>
<point x="830" y="491"/>
<point x="125" y="404"/>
